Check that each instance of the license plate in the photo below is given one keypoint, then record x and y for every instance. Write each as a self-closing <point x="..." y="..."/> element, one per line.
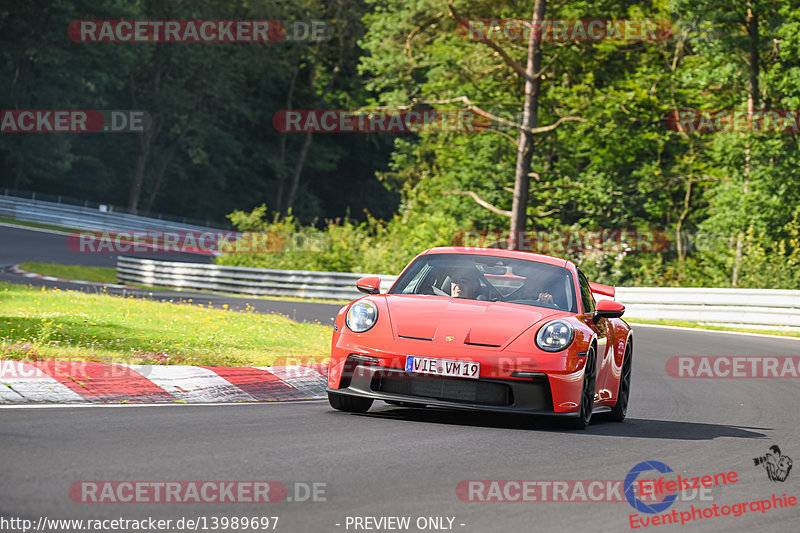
<point x="443" y="367"/>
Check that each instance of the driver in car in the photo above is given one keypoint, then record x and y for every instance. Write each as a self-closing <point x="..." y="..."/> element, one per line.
<point x="534" y="289"/>
<point x="464" y="283"/>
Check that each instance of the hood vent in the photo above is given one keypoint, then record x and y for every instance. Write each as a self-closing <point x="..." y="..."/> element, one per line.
<point x="482" y="344"/>
<point x="414" y="338"/>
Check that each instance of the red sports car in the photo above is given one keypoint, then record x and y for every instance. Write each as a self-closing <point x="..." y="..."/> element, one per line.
<point x="486" y="329"/>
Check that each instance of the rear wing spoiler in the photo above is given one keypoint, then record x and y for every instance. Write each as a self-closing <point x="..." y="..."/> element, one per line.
<point x="599" y="288"/>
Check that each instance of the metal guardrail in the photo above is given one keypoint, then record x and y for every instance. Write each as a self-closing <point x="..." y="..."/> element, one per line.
<point x="729" y="306"/>
<point x="84" y="217"/>
<point x="716" y="306"/>
<point x="182" y="276"/>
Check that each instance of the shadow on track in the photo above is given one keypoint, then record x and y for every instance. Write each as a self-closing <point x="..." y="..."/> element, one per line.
<point x="641" y="428"/>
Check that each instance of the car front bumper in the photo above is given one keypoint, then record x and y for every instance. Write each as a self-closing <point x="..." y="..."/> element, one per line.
<point x="530" y="396"/>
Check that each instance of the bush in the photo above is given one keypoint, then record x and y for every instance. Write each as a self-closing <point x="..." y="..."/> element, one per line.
<point x="379" y="247"/>
<point x="373" y="246"/>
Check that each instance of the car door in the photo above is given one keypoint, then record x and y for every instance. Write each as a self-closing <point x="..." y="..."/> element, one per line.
<point x="604" y="347"/>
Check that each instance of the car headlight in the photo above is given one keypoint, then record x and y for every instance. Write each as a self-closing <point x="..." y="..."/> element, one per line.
<point x="361" y="316"/>
<point x="555" y="336"/>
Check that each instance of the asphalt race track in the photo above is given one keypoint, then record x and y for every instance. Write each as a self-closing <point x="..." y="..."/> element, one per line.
<point x="19" y="245"/>
<point x="402" y="462"/>
<point x="407" y="462"/>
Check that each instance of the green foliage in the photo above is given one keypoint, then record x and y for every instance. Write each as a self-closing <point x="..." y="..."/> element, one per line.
<point x="213" y="147"/>
<point x="371" y="202"/>
<point x="341" y="246"/>
<point x="620" y="166"/>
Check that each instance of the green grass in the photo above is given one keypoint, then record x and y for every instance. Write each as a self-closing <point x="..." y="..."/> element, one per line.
<point x="83" y="273"/>
<point x="35" y="225"/>
<point x="684" y="324"/>
<point x="39" y="324"/>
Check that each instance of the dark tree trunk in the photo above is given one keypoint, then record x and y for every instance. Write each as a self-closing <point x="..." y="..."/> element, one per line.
<point x="298" y="170"/>
<point x="752" y="104"/>
<point x="530" y="119"/>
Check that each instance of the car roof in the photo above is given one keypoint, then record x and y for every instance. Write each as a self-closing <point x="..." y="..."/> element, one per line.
<point x="508" y="254"/>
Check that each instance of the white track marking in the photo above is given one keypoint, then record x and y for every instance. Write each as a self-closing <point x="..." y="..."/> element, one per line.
<point x="40" y="230"/>
<point x="7" y="395"/>
<point x="24" y="382"/>
<point x="307" y="381"/>
<point x="166" y="404"/>
<point x="192" y="383"/>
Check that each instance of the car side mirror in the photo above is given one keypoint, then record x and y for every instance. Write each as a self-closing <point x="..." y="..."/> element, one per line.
<point x="608" y="309"/>
<point x="369" y="285"/>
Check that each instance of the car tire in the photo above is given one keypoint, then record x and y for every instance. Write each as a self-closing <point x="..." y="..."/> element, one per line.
<point x="620" y="410"/>
<point x="349" y="404"/>
<point x="587" y="393"/>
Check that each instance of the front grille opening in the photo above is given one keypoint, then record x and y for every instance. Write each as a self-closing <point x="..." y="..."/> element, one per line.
<point x="444" y="388"/>
<point x="546" y="395"/>
<point x="347" y="373"/>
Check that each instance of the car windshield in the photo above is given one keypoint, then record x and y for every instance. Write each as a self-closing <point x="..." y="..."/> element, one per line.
<point x="480" y="277"/>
